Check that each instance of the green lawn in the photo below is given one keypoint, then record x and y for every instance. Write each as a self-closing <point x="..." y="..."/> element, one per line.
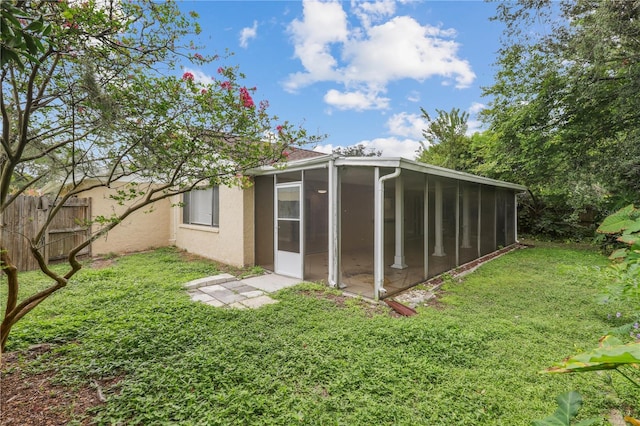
<point x="474" y="359"/>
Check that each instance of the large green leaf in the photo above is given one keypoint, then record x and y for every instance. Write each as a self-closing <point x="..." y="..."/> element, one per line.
<point x="618" y="254"/>
<point x="618" y="221"/>
<point x="568" y="405"/>
<point x="629" y="238"/>
<point x="610" y="355"/>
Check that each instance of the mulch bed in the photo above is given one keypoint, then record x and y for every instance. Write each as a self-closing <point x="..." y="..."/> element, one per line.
<point x="28" y="398"/>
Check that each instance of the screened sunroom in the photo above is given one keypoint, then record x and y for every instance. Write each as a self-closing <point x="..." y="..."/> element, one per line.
<point x="375" y="226"/>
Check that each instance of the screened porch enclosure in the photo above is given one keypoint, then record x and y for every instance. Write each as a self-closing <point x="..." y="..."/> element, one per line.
<point x="376" y="230"/>
<point x="453" y="222"/>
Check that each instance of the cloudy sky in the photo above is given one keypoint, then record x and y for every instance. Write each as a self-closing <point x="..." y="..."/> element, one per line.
<point x="358" y="71"/>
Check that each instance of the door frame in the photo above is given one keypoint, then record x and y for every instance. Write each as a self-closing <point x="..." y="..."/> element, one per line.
<point x="295" y="261"/>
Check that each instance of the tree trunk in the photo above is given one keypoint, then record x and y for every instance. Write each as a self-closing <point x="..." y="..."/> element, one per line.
<point x="12" y="296"/>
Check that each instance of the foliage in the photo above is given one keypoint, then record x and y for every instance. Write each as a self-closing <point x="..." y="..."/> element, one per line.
<point x="610" y="355"/>
<point x="22" y="35"/>
<point x="625" y="223"/>
<point x="568" y="406"/>
<point x="564" y="105"/>
<point x="100" y="99"/>
<point x="359" y="150"/>
<point x="447" y="144"/>
<point x="309" y="360"/>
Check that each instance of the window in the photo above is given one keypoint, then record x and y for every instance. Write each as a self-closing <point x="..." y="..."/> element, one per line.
<point x="201" y="207"/>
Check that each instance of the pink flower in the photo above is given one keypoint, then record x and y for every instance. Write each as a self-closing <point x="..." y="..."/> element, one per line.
<point x="220" y="70"/>
<point x="226" y="85"/>
<point x="245" y="98"/>
<point x="198" y="56"/>
<point x="279" y="129"/>
<point x="285" y="154"/>
<point x="187" y="76"/>
<point x="203" y="91"/>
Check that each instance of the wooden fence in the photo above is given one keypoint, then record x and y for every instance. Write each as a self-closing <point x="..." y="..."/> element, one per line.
<point x="27" y="215"/>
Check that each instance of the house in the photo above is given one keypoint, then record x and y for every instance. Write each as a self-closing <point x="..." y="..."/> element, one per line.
<point x="370" y="225"/>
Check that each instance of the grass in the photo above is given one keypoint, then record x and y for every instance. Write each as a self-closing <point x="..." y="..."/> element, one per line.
<point x="472" y="360"/>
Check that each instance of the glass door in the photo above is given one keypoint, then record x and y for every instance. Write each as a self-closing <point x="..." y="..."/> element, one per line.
<point x="288" y="230"/>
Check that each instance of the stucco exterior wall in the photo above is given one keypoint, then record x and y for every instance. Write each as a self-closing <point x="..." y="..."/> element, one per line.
<point x="145" y="229"/>
<point x="232" y="242"/>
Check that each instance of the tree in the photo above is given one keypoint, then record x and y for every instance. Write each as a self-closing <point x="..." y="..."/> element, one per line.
<point x="359" y="150"/>
<point x="565" y="102"/>
<point x="447" y="143"/>
<point x="93" y="94"/>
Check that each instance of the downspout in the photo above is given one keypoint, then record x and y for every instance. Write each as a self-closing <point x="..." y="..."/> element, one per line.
<point x="378" y="231"/>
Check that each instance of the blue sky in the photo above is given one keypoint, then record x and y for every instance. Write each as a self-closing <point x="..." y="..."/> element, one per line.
<point x="358" y="71"/>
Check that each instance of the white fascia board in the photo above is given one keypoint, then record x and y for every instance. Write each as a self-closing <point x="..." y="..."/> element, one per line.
<point x="454" y="174"/>
<point x="292" y="166"/>
<point x="424" y="168"/>
<point x="392" y="162"/>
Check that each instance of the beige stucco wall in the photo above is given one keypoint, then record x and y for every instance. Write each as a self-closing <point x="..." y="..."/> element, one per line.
<point x="232" y="242"/>
<point x="147" y="228"/>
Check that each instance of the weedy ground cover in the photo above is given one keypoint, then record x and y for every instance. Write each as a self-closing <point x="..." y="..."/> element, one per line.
<point x="474" y="358"/>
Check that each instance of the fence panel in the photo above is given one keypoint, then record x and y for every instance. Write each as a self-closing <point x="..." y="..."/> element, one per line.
<point x="26" y="216"/>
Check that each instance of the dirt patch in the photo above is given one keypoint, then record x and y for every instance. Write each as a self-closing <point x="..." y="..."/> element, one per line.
<point x="99" y="263"/>
<point x="28" y="398"/>
<point x="343" y="301"/>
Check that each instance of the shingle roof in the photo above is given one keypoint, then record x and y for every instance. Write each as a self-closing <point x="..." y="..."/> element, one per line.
<point x="301" y="154"/>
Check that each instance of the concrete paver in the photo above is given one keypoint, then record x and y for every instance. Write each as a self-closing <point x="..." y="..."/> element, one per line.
<point x="201" y="297"/>
<point x="225" y="290"/>
<point x="257" y="302"/>
<point x="254" y="293"/>
<point x="215" y="303"/>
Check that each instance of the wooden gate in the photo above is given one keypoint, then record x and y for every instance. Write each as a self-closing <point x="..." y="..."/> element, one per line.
<point x="26" y="216"/>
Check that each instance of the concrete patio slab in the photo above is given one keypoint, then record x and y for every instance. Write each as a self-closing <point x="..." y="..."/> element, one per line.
<point x="209" y="281"/>
<point x="271" y="282"/>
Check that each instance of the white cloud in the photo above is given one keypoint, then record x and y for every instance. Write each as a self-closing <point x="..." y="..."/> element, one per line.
<point x="325" y="149"/>
<point x="247" y="34"/>
<point x="476" y="107"/>
<point x="357" y="100"/>
<point x="402" y="48"/>
<point x="414" y="96"/>
<point x="407" y="125"/>
<point x="390" y="147"/>
<point x="474" y="125"/>
<point x="375" y="11"/>
<point x="365" y="59"/>
<point x="394" y="147"/>
<point x="199" y="77"/>
<point x="322" y="25"/>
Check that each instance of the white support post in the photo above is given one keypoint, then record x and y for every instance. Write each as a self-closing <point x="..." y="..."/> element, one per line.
<point x="398" y="259"/>
<point x="466" y="225"/>
<point x="515" y="217"/>
<point x="438" y="250"/>
<point x="479" y="220"/>
<point x="333" y="222"/>
<point x="458" y="223"/>
<point x="426" y="227"/>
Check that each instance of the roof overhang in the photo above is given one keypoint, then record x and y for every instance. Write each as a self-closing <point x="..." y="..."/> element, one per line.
<point x="391" y="162"/>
